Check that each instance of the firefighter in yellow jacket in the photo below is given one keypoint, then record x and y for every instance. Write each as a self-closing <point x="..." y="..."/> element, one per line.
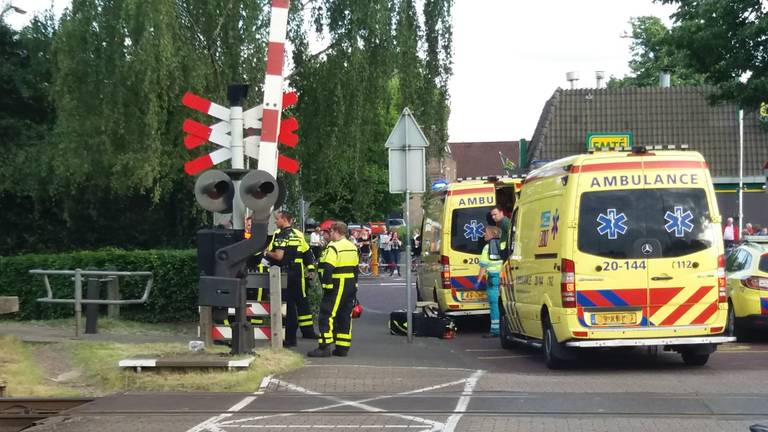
<point x="338" y="275"/>
<point x="290" y="251"/>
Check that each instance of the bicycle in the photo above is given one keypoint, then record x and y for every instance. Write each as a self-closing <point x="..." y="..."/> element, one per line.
<point x="364" y="266"/>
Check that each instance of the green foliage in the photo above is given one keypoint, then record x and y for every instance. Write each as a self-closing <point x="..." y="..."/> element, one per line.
<point x="173" y="296"/>
<point x="380" y="58"/>
<point x="726" y="40"/>
<point x="92" y="117"/>
<point x="719" y="42"/>
<point x="652" y="54"/>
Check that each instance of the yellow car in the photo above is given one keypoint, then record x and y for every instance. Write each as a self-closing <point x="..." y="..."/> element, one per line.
<point x="747" y="273"/>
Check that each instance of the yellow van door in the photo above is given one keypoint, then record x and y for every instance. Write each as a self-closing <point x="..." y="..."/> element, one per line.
<point x="611" y="274"/>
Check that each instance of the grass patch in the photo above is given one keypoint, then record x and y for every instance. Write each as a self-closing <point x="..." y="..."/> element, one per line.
<point x="22" y="374"/>
<point x="99" y="361"/>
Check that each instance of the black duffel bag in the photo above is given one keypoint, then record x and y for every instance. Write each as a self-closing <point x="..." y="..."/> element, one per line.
<point x="423" y="326"/>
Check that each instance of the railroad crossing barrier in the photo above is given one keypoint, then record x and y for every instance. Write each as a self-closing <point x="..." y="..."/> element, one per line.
<point x="95" y="277"/>
<point x="272" y="309"/>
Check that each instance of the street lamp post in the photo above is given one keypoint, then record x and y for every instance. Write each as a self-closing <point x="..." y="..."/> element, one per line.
<point x="9" y="7"/>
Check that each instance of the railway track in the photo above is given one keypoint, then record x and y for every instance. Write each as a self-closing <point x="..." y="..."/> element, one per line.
<point x="16" y="414"/>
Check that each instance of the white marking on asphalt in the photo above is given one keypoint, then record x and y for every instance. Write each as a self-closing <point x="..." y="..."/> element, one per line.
<point x="436" y="426"/>
<point x="507" y="357"/>
<point x="211" y="425"/>
<point x="393" y="367"/>
<point x="461" y="406"/>
<point x="278" y="426"/>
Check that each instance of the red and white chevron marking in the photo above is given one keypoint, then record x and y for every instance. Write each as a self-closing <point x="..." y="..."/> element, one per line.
<point x="273" y="90"/>
<point x="218" y="133"/>
<point x="253" y="309"/>
<point x="197" y="103"/>
<point x="222" y="332"/>
<point x="205" y="162"/>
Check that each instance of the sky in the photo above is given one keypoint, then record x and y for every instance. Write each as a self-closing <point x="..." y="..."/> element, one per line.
<point x="511" y="55"/>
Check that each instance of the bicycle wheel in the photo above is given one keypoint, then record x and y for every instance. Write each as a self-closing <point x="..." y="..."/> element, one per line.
<point x="364" y="267"/>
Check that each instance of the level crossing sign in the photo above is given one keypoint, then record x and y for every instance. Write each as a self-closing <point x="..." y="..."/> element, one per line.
<point x="219" y="133"/>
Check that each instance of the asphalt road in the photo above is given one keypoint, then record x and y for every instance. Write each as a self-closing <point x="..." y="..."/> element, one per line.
<point x="467" y="383"/>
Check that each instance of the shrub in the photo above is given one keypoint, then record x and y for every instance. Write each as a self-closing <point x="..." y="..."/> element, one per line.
<point x="173" y="296"/>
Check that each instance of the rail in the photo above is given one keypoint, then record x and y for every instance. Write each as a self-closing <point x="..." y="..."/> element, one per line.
<point x="78" y="300"/>
<point x="16" y="414"/>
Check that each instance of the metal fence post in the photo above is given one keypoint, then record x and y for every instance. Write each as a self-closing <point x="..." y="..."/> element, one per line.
<point x="78" y="299"/>
<point x="92" y="310"/>
<point x="113" y="293"/>
<point x="276" y="307"/>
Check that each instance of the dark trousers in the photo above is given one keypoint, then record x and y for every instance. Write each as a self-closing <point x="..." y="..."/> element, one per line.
<point x="335" y="318"/>
<point x="298" y="313"/>
<point x="394" y="260"/>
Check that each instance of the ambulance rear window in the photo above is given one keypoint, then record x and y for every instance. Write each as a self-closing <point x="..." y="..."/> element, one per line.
<point x="467" y="229"/>
<point x="763" y="266"/>
<point x="644" y="223"/>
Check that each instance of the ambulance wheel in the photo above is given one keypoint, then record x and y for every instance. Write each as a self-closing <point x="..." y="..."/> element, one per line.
<point x="552" y="347"/>
<point x="504" y="337"/>
<point x="694" y="358"/>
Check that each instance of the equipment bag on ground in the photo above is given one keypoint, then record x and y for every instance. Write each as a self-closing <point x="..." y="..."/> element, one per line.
<point x="426" y="326"/>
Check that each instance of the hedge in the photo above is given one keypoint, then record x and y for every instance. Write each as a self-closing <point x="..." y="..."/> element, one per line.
<point x="173" y="296"/>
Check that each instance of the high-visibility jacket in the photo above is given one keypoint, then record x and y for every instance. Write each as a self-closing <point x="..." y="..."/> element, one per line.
<point x="339" y="261"/>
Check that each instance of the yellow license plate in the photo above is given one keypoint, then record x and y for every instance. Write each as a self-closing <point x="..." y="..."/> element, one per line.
<point x="472" y="295"/>
<point x="619" y="318"/>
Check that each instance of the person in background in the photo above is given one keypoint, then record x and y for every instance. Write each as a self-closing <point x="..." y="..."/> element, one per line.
<point x="247" y="227"/>
<point x="316" y="242"/>
<point x="415" y="250"/>
<point x="394" y="253"/>
<point x="748" y="230"/>
<point x="763" y="232"/>
<point x="384" y="248"/>
<point x="503" y="222"/>
<point x="490" y="268"/>
<point x="730" y="234"/>
<point x="364" y="244"/>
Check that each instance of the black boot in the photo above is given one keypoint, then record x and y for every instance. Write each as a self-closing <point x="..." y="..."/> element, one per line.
<point x="340" y="351"/>
<point x="321" y="351"/>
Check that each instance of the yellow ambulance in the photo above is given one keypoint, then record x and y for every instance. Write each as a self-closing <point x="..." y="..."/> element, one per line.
<point x="616" y="249"/>
<point x="452" y="230"/>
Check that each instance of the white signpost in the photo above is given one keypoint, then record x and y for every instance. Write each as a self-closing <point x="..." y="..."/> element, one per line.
<point x="406" y="146"/>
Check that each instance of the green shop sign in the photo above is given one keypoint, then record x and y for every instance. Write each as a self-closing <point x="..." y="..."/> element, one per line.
<point x="610" y="141"/>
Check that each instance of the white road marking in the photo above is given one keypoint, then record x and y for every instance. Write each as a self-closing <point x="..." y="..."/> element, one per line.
<point x="461" y="406"/>
<point x="215" y="424"/>
<point x="278" y="426"/>
<point x="341" y="402"/>
<point x="507" y="357"/>
<point x="211" y="425"/>
<point x="428" y="368"/>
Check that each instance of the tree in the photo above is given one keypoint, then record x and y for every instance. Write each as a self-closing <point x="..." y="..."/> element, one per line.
<point x="108" y="172"/>
<point x="718" y="42"/>
<point x="352" y="93"/>
<point x="727" y="41"/>
<point x="651" y="53"/>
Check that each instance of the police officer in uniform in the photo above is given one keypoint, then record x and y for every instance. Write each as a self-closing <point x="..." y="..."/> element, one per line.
<point x="290" y="251"/>
<point x="338" y="275"/>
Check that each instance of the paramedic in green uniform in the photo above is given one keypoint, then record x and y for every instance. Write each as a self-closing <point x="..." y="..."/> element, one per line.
<point x="490" y="267"/>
